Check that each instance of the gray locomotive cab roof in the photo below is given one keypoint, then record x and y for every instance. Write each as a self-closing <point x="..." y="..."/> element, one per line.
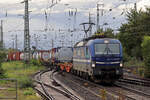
<point x="87" y="43"/>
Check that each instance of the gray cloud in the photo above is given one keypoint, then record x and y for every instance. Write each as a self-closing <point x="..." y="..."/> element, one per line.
<point x="58" y="18"/>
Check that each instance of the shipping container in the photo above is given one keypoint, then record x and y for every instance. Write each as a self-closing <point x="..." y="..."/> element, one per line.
<point x="65" y="54"/>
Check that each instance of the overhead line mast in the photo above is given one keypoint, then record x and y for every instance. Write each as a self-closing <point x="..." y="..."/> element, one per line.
<point x="90" y="21"/>
<point x="16" y="42"/>
<point x="98" y="15"/>
<point x="1" y="31"/>
<point x="26" y="33"/>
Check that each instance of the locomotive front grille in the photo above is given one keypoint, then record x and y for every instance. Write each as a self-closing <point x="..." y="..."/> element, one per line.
<point x="108" y="71"/>
<point x="104" y="70"/>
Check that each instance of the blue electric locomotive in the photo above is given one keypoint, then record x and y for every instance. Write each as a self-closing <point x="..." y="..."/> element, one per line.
<point x="98" y="59"/>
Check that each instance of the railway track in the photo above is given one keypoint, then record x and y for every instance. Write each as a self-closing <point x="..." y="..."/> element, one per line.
<point x="135" y="81"/>
<point x="42" y="92"/>
<point x="93" y="89"/>
<point x="131" y="88"/>
<point x="87" y="89"/>
<point x="45" y="93"/>
<point x="135" y="84"/>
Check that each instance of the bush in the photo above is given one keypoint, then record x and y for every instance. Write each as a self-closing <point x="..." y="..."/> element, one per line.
<point x="147" y="66"/>
<point x="2" y="58"/>
<point x="35" y="62"/>
<point x="141" y="71"/>
<point x="146" y="54"/>
<point x="126" y="57"/>
<point x="28" y="91"/>
<point x="25" y="82"/>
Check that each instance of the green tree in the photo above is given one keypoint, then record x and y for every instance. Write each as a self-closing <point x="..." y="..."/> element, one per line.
<point x="109" y="33"/>
<point x="2" y="59"/>
<point x="146" y="55"/>
<point x="131" y="34"/>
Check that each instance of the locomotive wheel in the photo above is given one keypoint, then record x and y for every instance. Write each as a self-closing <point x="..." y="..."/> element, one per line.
<point x="92" y="78"/>
<point x="80" y="73"/>
<point x="86" y="76"/>
<point x="71" y="71"/>
<point x="75" y="72"/>
<point x="83" y="75"/>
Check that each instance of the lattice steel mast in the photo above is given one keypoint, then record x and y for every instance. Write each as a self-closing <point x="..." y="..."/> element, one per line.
<point x="26" y="32"/>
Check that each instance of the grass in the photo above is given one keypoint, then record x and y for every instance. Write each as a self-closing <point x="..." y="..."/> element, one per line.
<point x="22" y="72"/>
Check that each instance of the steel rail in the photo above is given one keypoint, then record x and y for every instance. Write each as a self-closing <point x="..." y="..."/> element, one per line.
<point x="50" y="97"/>
<point x="131" y="89"/>
<point x="135" y="81"/>
<point x="43" y="95"/>
<point x="65" y="93"/>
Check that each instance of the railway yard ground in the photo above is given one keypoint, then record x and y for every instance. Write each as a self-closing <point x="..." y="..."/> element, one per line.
<point x="49" y="84"/>
<point x="85" y="90"/>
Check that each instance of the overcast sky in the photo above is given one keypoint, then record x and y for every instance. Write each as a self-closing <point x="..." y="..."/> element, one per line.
<point x="58" y="18"/>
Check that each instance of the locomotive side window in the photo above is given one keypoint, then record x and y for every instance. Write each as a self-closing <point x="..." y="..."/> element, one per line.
<point x="82" y="52"/>
<point x="87" y="52"/>
<point x="79" y="53"/>
<point x="75" y="52"/>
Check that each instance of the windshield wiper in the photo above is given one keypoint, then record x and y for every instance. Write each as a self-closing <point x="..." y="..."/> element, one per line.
<point x="111" y="52"/>
<point x="104" y="50"/>
<point x="108" y="50"/>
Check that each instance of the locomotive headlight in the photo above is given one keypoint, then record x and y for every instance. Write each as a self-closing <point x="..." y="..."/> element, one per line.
<point x="93" y="65"/>
<point x="121" y="65"/>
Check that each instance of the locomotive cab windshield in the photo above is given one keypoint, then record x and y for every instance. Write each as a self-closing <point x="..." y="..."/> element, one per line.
<point x="107" y="49"/>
